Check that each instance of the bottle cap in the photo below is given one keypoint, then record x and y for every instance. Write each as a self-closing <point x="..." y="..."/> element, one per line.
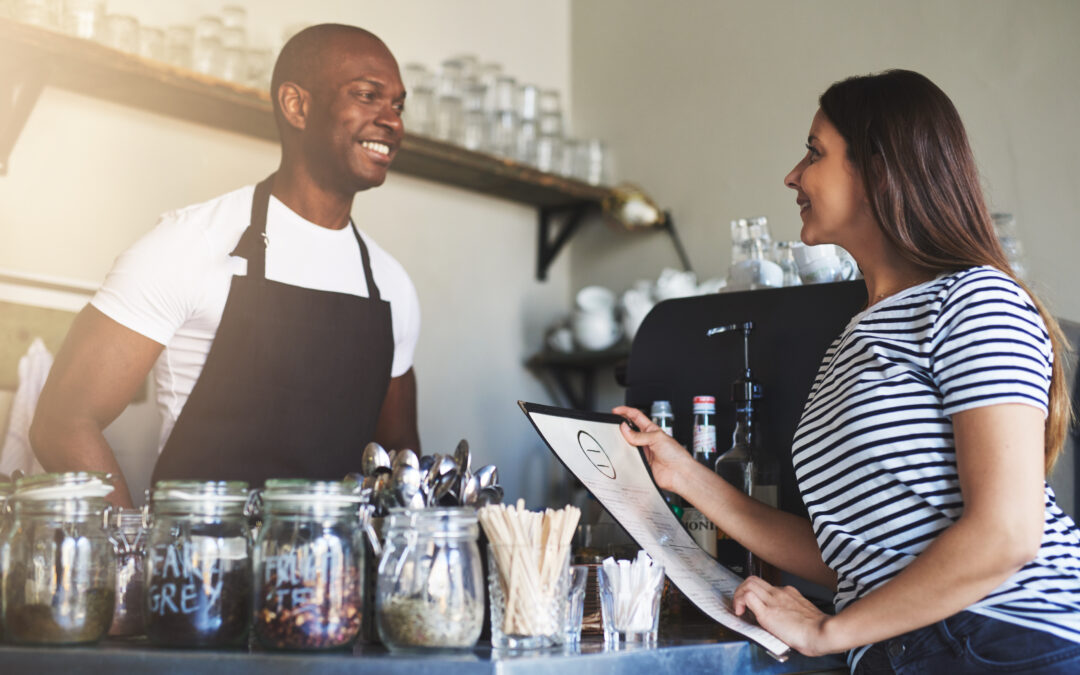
<point x="704" y="404"/>
<point x="661" y="409"/>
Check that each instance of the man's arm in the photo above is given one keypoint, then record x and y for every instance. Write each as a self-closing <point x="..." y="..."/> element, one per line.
<point x="98" y="370"/>
<point x="397" y="419"/>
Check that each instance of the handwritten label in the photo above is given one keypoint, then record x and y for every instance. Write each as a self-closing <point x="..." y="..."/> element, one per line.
<point x="185" y="579"/>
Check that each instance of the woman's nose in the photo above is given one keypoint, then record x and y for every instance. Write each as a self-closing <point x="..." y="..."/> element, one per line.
<point x="792" y="179"/>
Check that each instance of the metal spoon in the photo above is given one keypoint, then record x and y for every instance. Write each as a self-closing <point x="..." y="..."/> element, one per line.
<point x="488" y="475"/>
<point x="373" y="456"/>
<point x="405" y="457"/>
<point x="405" y="483"/>
<point x="469" y="491"/>
<point x="492" y="494"/>
<point x="425" y="464"/>
<point x="462" y="456"/>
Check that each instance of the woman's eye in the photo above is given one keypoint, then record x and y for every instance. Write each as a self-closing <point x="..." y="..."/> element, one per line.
<point x="812" y="153"/>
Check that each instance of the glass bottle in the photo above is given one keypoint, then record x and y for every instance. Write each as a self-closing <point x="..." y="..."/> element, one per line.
<point x="59" y="564"/>
<point x="198" y="579"/>
<point x="704" y="447"/>
<point x="663" y="417"/>
<point x="431" y="583"/>
<point x="736" y="466"/>
<point x="129" y="537"/>
<point x="309" y="565"/>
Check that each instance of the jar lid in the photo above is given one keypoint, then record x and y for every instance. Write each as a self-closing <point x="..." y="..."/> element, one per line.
<point x="403" y="518"/>
<point x="303" y="490"/>
<point x="69" y="485"/>
<point x="220" y="491"/>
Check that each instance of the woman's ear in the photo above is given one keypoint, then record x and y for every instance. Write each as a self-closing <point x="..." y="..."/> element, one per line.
<point x="294" y="102"/>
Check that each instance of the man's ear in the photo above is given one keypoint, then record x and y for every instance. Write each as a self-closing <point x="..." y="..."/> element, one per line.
<point x="295" y="103"/>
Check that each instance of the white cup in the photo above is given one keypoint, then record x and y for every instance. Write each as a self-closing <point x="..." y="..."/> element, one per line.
<point x="595" y="299"/>
<point x="675" y="283"/>
<point x="823" y="263"/>
<point x="594" y="331"/>
<point x="636" y="306"/>
<point x="749" y="274"/>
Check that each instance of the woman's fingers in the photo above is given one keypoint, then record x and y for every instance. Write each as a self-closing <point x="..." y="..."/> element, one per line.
<point x="640" y="420"/>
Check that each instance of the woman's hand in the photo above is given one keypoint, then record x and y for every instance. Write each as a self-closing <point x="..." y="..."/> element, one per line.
<point x="666" y="457"/>
<point x="785" y="613"/>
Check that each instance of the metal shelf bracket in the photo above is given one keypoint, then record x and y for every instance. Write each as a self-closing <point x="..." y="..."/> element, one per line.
<point x="551" y="241"/>
<point x="20" y="87"/>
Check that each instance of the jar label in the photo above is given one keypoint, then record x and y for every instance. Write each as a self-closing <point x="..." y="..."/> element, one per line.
<point x="179" y="586"/>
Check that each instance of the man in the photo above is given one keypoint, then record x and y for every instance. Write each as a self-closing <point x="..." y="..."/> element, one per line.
<point x="283" y="338"/>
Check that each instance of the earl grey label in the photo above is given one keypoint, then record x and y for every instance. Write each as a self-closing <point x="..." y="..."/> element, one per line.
<point x="184" y="579"/>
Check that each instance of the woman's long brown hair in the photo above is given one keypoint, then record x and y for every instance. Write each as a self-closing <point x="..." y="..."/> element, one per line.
<point x="906" y="140"/>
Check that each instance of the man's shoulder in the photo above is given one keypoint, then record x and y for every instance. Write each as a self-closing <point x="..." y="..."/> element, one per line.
<point x="384" y="265"/>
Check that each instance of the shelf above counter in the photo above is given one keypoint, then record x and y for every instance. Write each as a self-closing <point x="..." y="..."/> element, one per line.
<point x="32" y="57"/>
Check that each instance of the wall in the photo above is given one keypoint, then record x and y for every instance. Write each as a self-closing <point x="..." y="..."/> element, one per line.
<point x="707" y="103"/>
<point x="88" y="177"/>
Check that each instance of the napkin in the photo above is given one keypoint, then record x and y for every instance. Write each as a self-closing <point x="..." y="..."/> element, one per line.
<point x="33" y="370"/>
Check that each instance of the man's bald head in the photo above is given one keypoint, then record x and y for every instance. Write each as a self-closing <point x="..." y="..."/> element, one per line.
<point x="305" y="58"/>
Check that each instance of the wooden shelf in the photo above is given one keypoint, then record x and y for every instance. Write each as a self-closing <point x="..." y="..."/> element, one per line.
<point x="85" y="67"/>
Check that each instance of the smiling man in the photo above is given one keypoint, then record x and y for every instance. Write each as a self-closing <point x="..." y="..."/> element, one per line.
<point x="283" y="336"/>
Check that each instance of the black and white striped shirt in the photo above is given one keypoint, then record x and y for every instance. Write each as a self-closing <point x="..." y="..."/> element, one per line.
<point x="874" y="452"/>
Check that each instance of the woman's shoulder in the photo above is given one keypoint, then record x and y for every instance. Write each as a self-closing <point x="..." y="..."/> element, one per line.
<point x="981" y="286"/>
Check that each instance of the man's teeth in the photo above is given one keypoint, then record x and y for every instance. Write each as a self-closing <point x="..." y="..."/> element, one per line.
<point x="377" y="147"/>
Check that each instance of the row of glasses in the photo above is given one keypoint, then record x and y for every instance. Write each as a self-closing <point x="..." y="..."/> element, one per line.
<point x="479" y="107"/>
<point x="215" y="44"/>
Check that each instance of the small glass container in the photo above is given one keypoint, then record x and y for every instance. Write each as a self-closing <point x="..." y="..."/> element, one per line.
<point x="59" y="564"/>
<point x="121" y="32"/>
<point x="129" y="536"/>
<point x="525" y="613"/>
<point x="84" y="18"/>
<point x="309" y="565"/>
<point x="179" y="45"/>
<point x="630" y="615"/>
<point x="5" y="519"/>
<point x="152" y="43"/>
<point x="198" y="579"/>
<point x="430" y="592"/>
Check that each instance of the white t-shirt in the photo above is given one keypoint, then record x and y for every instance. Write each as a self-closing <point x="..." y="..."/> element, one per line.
<point x="172" y="284"/>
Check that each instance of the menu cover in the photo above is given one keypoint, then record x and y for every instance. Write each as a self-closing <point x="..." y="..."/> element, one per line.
<point x="591" y="446"/>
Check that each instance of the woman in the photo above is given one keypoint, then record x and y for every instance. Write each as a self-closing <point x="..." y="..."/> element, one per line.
<point x="922" y="451"/>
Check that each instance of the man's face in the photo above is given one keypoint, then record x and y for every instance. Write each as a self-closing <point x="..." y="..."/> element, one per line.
<point x="354" y="127"/>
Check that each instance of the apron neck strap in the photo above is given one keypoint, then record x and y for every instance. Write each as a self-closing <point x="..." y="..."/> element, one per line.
<point x="253" y="242"/>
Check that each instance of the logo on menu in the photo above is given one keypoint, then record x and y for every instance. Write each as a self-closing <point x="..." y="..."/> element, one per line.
<point x="596" y="454"/>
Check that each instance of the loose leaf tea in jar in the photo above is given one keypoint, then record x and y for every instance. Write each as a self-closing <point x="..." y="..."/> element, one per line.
<point x="309" y="562"/>
<point x="198" y="591"/>
<point x="59" y="564"/>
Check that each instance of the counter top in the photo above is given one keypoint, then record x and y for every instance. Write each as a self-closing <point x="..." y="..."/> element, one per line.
<point x="675" y="657"/>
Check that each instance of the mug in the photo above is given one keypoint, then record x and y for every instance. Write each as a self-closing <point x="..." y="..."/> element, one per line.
<point x="674" y="283"/>
<point x="595" y="299"/>
<point x="755" y="273"/>
<point x="823" y="263"/>
<point x="594" y="331"/>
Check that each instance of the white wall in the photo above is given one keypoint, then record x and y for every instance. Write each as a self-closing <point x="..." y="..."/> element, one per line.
<point x="708" y="102"/>
<point x="88" y="177"/>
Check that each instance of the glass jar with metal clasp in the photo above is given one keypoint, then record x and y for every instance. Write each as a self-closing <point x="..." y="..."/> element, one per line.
<point x="309" y="565"/>
<point x="129" y="536"/>
<point x="198" y="559"/>
<point x="430" y="592"/>
<point x="59" y="565"/>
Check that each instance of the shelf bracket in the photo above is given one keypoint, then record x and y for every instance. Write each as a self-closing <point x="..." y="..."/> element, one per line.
<point x="550" y="241"/>
<point x="669" y="226"/>
<point x="20" y="87"/>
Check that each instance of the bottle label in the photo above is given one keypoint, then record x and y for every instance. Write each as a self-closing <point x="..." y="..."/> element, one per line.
<point x="704" y="441"/>
<point x="701" y="529"/>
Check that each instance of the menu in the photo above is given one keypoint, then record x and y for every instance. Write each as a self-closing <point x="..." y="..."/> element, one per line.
<point x="591" y="446"/>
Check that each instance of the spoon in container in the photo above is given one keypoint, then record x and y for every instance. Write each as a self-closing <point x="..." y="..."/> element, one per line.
<point x="462" y="456"/>
<point x="372" y="457"/>
<point x="405" y="484"/>
<point x="405" y="457"/>
<point x="487" y="475"/>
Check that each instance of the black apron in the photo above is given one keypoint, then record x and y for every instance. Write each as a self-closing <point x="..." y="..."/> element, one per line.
<point x="294" y="381"/>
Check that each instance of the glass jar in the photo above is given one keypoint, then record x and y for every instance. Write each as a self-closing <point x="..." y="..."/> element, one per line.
<point x="198" y="578"/>
<point x="129" y="536"/>
<point x="5" y="518"/>
<point x="430" y="591"/>
<point x="58" y="559"/>
<point x="309" y="565"/>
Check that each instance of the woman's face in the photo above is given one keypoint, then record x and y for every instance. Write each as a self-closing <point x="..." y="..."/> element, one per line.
<point x="829" y="191"/>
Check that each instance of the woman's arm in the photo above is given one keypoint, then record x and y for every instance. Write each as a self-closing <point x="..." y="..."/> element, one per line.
<point x="782" y="539"/>
<point x="999" y="454"/>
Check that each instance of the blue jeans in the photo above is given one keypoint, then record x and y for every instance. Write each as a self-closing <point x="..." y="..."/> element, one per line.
<point x="971" y="643"/>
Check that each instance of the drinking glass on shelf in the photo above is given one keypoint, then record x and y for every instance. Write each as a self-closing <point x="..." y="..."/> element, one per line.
<point x="121" y="32"/>
<point x="570" y="157"/>
<point x="260" y="64"/>
<point x="475" y="134"/>
<point x="549" y="144"/>
<point x="233" y="37"/>
<point x="488" y="74"/>
<point x="179" y="43"/>
<point x="83" y="18"/>
<point x="43" y="13"/>
<point x="206" y="56"/>
<point x="234" y="65"/>
<point x="595" y="165"/>
<point x="504" y="128"/>
<point x="416" y="76"/>
<point x="234" y="16"/>
<point x="152" y="43"/>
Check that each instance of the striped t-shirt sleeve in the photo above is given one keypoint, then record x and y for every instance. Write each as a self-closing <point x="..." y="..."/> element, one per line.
<point x="990" y="345"/>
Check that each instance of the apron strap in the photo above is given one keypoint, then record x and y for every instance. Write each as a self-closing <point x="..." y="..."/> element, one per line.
<point x="373" y="290"/>
<point x="252" y="244"/>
